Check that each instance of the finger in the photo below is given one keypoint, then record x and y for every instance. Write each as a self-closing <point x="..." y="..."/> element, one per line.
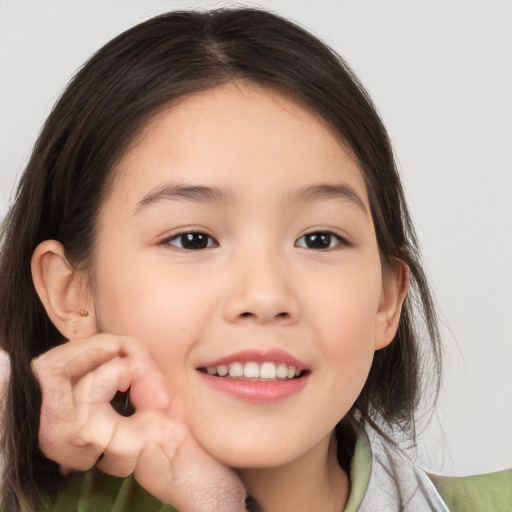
<point x="175" y="469"/>
<point x="132" y="434"/>
<point x="96" y="422"/>
<point x="75" y="358"/>
<point x="204" y="489"/>
<point x="58" y="369"/>
<point x="78" y="380"/>
<point x="82" y="449"/>
<point x="75" y="438"/>
<point x="121" y="454"/>
<point x="149" y="390"/>
<point x="154" y="472"/>
<point x="78" y="447"/>
<point x="100" y="385"/>
<point x="214" y="486"/>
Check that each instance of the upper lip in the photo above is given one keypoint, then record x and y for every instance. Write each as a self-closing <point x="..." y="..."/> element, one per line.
<point x="257" y="356"/>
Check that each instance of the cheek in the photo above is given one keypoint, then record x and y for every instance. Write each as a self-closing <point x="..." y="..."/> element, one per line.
<point x="345" y="305"/>
<point x="159" y="310"/>
<point x="345" y="312"/>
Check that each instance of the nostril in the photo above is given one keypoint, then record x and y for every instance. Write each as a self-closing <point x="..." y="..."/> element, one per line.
<point x="281" y="316"/>
<point x="263" y="316"/>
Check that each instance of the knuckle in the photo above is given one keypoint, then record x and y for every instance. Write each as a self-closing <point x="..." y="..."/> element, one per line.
<point x="47" y="445"/>
<point x="117" y="464"/>
<point x="39" y="367"/>
<point x="47" y="372"/>
<point x="120" y="472"/>
<point x="85" y="438"/>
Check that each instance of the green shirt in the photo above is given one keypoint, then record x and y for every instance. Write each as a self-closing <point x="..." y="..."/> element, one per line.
<point x="371" y="489"/>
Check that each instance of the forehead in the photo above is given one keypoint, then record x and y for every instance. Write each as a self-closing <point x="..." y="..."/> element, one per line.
<point x="237" y="134"/>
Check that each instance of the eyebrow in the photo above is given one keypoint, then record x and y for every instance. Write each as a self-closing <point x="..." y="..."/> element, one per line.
<point x="178" y="192"/>
<point x="327" y="191"/>
<point x="202" y="194"/>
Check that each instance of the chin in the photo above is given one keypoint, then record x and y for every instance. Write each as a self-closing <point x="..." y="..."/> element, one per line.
<point x="250" y="449"/>
<point x="256" y="459"/>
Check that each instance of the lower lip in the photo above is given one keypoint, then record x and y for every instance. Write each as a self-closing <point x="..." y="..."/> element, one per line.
<point x="257" y="392"/>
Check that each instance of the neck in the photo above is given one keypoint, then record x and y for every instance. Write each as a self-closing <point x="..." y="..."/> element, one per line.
<point x="315" y="481"/>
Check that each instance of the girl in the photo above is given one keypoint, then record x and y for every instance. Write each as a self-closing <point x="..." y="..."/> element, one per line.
<point x="211" y="289"/>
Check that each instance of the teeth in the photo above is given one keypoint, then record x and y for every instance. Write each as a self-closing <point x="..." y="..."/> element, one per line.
<point x="268" y="371"/>
<point x="282" y="371"/>
<point x="253" y="370"/>
<point x="236" y="370"/>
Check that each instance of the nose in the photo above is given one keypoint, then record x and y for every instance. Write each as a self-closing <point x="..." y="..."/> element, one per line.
<point x="261" y="291"/>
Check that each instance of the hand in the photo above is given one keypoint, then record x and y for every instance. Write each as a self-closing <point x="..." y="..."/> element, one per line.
<point x="78" y="425"/>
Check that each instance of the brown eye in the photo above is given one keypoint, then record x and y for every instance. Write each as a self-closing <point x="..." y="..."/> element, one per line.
<point x="192" y="241"/>
<point x="320" y="240"/>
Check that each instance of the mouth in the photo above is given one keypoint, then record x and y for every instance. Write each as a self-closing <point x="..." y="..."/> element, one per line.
<point x="255" y="376"/>
<point x="267" y="371"/>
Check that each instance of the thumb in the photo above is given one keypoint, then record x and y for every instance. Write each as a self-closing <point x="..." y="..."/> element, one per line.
<point x="196" y="481"/>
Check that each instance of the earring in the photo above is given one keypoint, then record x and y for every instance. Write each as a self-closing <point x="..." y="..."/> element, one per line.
<point x="84" y="313"/>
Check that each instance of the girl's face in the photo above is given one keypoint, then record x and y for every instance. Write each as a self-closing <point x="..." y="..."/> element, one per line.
<point x="238" y="234"/>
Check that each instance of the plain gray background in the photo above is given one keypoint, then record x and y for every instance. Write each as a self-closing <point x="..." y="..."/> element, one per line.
<point x="440" y="73"/>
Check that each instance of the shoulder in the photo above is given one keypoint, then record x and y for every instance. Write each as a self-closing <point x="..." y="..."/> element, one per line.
<point x="492" y="491"/>
<point x="384" y="478"/>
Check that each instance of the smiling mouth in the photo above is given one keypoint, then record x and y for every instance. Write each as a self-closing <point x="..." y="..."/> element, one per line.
<point x="253" y="371"/>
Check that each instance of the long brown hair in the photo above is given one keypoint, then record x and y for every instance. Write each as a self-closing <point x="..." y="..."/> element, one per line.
<point x="101" y="111"/>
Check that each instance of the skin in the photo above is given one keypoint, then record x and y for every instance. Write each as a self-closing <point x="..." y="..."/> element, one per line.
<point x="258" y="284"/>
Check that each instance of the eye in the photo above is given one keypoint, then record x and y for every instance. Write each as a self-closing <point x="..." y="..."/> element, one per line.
<point x="321" y="240"/>
<point x="191" y="241"/>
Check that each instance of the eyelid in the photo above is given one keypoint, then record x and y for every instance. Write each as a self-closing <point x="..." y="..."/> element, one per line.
<point x="166" y="241"/>
<point x="343" y="241"/>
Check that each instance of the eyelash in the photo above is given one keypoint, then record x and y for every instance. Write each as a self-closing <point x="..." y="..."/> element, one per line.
<point x="205" y="241"/>
<point x="210" y="241"/>
<point x="322" y="236"/>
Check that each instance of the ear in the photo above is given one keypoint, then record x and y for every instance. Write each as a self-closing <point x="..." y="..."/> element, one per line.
<point x="395" y="283"/>
<point x="62" y="291"/>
